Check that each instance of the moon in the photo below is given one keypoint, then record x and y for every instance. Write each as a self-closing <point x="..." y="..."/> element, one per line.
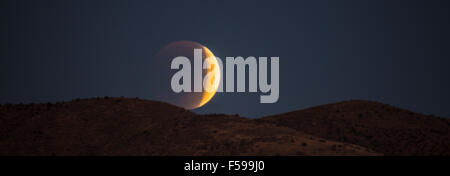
<point x="162" y="75"/>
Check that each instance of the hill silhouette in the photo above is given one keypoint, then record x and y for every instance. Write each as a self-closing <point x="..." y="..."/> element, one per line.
<point x="120" y="126"/>
<point x="383" y="128"/>
<point x="125" y="126"/>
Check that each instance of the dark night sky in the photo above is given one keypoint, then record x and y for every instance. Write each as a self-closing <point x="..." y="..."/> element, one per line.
<point x="394" y="52"/>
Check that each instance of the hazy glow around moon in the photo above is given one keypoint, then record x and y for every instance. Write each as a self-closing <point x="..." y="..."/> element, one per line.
<point x="213" y="84"/>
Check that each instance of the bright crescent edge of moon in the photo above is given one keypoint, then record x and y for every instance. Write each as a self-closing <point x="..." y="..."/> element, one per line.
<point x="207" y="96"/>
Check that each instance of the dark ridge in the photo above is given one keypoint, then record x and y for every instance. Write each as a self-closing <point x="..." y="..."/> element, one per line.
<point x="130" y="126"/>
<point x="383" y="128"/>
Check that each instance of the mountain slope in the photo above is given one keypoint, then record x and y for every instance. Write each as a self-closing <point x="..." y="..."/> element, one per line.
<point x="118" y="126"/>
<point x="377" y="126"/>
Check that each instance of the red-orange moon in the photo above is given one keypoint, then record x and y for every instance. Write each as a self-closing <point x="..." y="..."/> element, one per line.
<point x="188" y="100"/>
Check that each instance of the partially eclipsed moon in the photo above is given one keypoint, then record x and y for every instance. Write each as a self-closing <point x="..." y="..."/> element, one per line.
<point x="161" y="80"/>
<point x="212" y="79"/>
